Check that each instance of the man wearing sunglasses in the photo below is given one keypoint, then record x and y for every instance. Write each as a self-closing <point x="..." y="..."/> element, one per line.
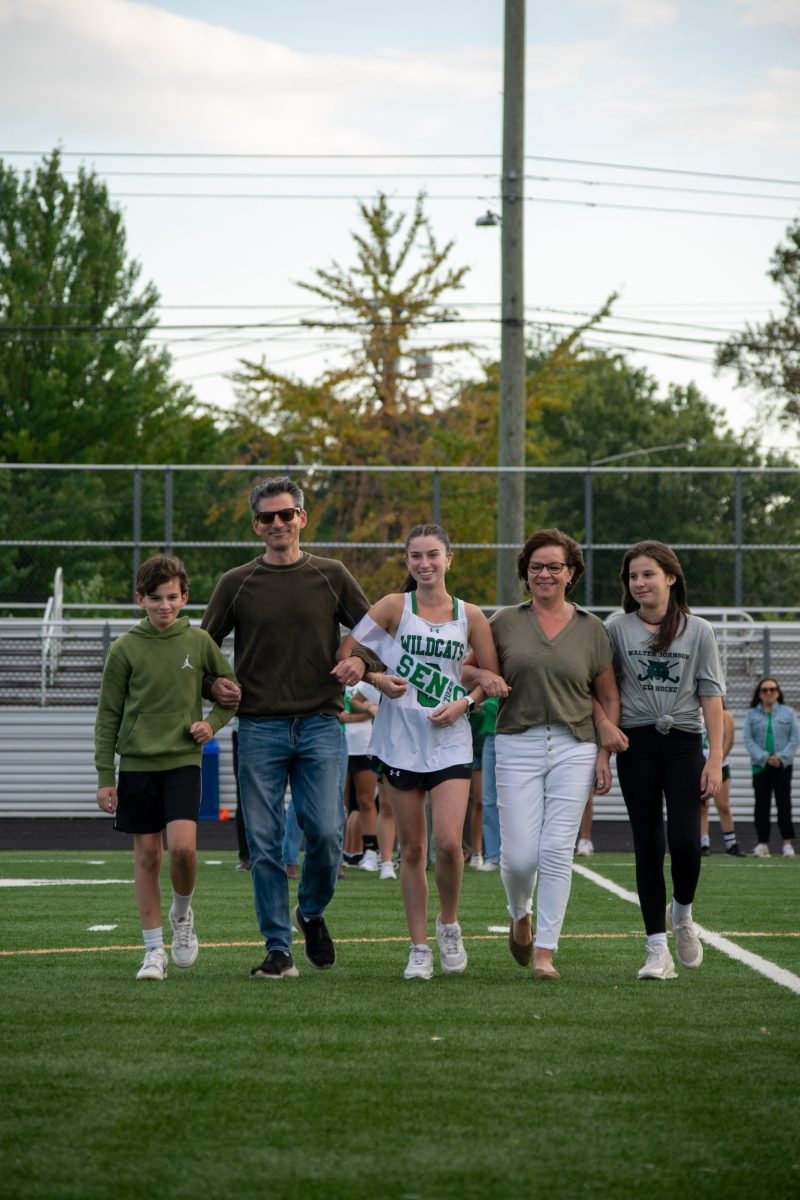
<point x="286" y="608"/>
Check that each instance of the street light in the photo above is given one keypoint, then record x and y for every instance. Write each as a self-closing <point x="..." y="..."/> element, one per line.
<point x="690" y="445"/>
<point x="489" y="218"/>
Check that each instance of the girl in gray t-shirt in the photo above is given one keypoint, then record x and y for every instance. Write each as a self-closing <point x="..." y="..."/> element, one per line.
<point x="667" y="667"/>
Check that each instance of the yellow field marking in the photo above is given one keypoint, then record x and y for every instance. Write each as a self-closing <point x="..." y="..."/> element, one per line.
<point x="369" y="941"/>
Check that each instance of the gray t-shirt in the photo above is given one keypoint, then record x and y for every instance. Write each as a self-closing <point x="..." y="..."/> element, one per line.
<point x="550" y="679"/>
<point x="664" y="687"/>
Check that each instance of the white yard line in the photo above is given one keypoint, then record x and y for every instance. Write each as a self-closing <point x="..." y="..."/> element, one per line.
<point x="764" y="967"/>
<point x="9" y="883"/>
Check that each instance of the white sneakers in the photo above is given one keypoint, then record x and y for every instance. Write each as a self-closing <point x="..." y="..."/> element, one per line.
<point x="369" y="860"/>
<point x="154" y="965"/>
<point x="387" y="870"/>
<point x="489" y="866"/>
<point x="761" y="851"/>
<point x="585" y="848"/>
<point x="420" y="963"/>
<point x="452" y="954"/>
<point x="788" y="850"/>
<point x="476" y="862"/>
<point x="688" y="947"/>
<point x="659" y="964"/>
<point x="185" y="947"/>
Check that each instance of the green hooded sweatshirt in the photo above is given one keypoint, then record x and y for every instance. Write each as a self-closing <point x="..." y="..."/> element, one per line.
<point x="151" y="695"/>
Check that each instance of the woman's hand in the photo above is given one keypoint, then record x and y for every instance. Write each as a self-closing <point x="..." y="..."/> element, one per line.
<point x="710" y="780"/>
<point x="390" y="686"/>
<point x="447" y="714"/>
<point x="492" y="684"/>
<point x="611" y="737"/>
<point x="602" y="773"/>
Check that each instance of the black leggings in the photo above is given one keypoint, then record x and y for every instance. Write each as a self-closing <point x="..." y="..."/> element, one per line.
<point x="657" y="765"/>
<point x="777" y="781"/>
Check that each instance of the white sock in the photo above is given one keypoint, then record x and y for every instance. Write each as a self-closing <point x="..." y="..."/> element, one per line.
<point x="705" y="841"/>
<point x="180" y="905"/>
<point x="656" y="939"/>
<point x="153" y="938"/>
<point x="680" y="912"/>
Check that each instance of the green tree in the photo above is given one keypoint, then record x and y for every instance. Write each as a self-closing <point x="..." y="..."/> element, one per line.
<point x="80" y="380"/>
<point x="767" y="356"/>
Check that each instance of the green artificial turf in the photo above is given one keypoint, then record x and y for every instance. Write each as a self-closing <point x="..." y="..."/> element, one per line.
<point x="355" y="1082"/>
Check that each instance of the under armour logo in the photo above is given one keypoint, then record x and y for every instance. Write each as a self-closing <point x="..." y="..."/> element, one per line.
<point x="187" y="666"/>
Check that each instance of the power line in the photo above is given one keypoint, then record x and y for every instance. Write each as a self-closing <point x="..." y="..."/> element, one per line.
<point x="603" y="183"/>
<point x="699" y="212"/>
<point x="373" y="157"/>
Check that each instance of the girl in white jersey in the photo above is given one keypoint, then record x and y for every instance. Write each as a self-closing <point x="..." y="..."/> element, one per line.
<point x="421" y="735"/>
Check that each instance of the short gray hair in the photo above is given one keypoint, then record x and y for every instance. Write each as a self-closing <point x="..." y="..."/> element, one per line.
<point x="276" y="487"/>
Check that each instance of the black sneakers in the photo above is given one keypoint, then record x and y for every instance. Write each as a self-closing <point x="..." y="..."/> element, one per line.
<point x="735" y="851"/>
<point x="277" y="965"/>
<point x="320" y="950"/>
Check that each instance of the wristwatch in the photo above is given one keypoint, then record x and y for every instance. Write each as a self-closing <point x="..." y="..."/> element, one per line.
<point x="470" y="704"/>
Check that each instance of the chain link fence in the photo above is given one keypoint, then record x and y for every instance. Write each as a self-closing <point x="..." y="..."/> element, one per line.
<point x="737" y="531"/>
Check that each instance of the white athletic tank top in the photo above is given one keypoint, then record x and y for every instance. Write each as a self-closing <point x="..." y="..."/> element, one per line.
<point x="402" y="734"/>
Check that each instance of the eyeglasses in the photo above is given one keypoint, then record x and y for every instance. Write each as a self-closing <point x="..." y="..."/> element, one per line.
<point x="769" y="689"/>
<point x="536" y="568"/>
<point x="286" y="515"/>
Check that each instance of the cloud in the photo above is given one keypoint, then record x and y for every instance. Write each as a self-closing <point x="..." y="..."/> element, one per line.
<point x="769" y="12"/>
<point x="640" y="15"/>
<point x="131" y="73"/>
<point x="768" y="111"/>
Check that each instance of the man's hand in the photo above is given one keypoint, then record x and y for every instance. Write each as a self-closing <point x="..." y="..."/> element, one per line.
<point x="226" y="693"/>
<point x="202" y="732"/>
<point x="350" y="671"/>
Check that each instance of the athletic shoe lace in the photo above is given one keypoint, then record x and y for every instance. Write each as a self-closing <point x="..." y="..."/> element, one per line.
<point x="452" y="939"/>
<point x="183" y="932"/>
<point x="419" y="955"/>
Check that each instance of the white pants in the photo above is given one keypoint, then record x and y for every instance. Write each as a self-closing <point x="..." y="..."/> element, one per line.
<point x="543" y="780"/>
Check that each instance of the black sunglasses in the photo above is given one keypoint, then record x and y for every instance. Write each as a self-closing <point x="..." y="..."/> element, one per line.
<point x="286" y="515"/>
<point x="769" y="689"/>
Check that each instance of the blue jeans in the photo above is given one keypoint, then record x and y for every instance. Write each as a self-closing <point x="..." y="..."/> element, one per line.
<point x="491" y="819"/>
<point x="292" y="837"/>
<point x="306" y="752"/>
<point x="293" y="834"/>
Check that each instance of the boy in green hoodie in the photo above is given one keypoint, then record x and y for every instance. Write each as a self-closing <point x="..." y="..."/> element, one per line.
<point x="150" y="712"/>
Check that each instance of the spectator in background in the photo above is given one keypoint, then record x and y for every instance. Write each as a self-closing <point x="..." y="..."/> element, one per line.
<point x="723" y="796"/>
<point x="585" y="844"/>
<point x="771" y="737"/>
<point x="491" y="819"/>
<point x="473" y="826"/>
<point x="361" y="706"/>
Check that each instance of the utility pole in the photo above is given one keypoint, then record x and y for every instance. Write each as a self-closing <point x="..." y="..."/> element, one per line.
<point x="511" y="484"/>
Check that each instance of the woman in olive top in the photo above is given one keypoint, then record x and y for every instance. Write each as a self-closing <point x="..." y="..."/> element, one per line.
<point x="554" y="656"/>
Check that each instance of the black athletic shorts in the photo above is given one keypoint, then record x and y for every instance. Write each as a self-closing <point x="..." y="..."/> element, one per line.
<point x="424" y="781"/>
<point x="148" y="800"/>
<point x="360" y="762"/>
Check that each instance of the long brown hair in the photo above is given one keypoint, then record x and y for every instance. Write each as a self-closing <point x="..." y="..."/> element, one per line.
<point x="429" y="530"/>
<point x="677" y="614"/>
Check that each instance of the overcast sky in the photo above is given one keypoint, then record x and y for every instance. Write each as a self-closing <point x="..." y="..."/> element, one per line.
<point x="710" y="87"/>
